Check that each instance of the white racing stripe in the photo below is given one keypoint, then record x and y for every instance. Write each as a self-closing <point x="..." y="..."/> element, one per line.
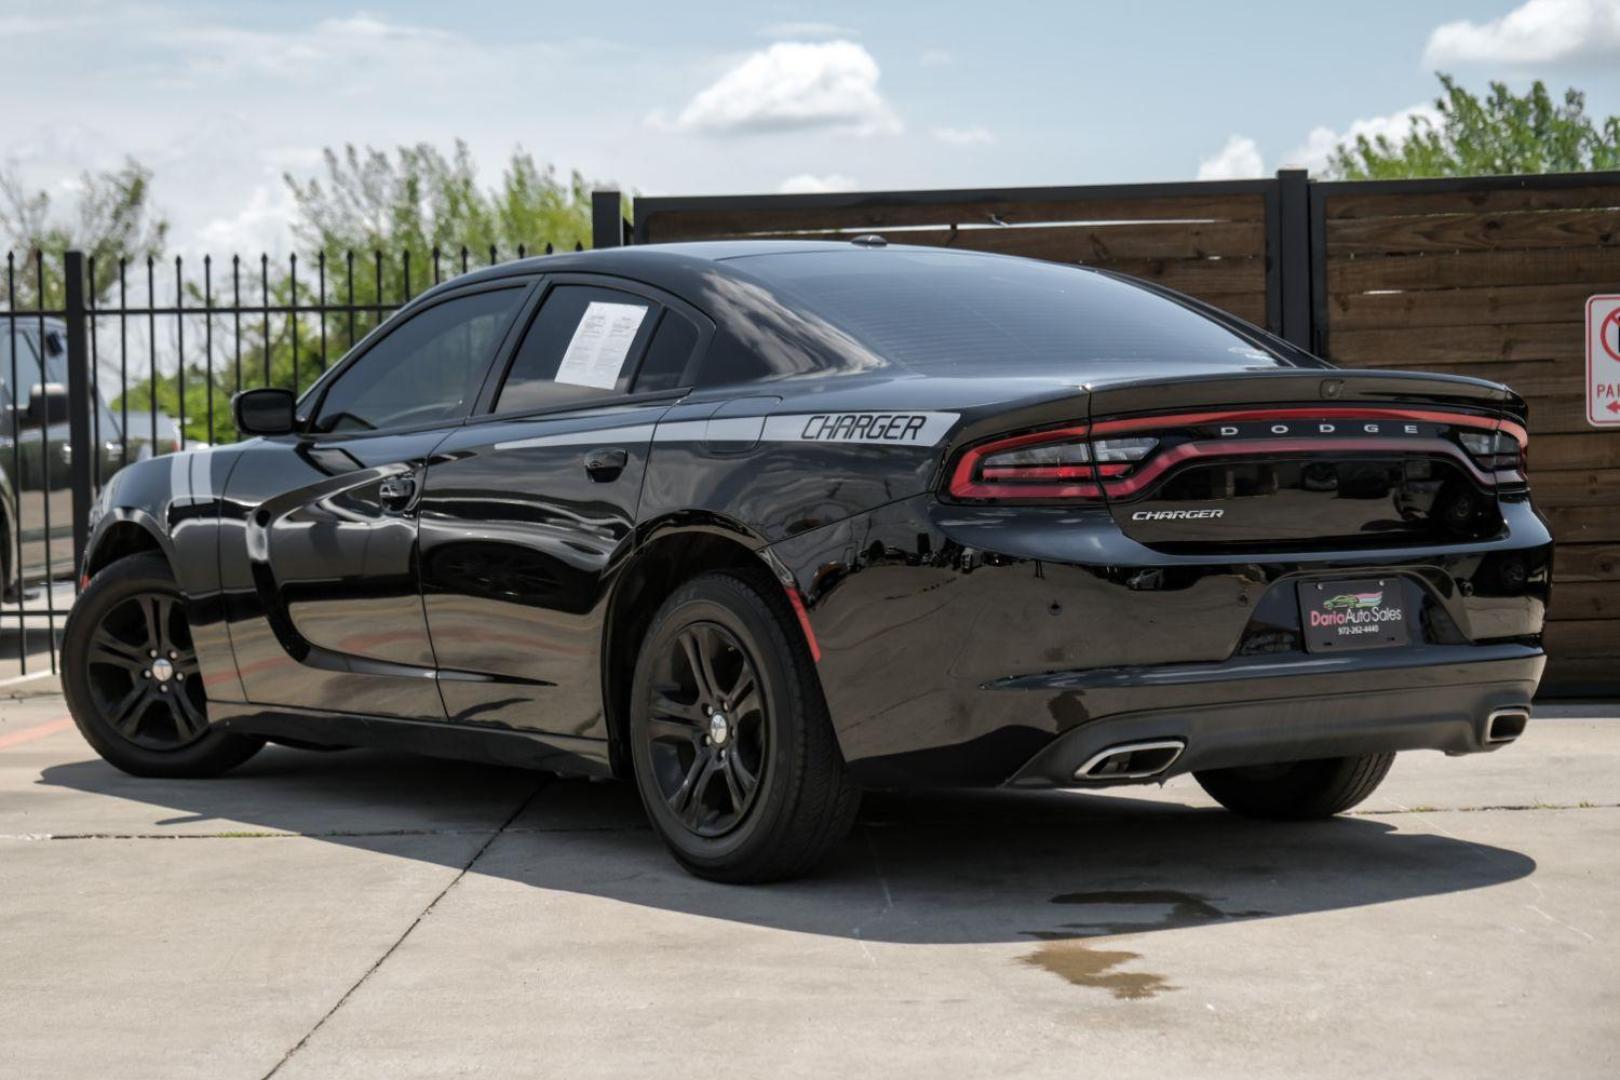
<point x="191" y="472"/>
<point x="880" y="428"/>
<point x="893" y="428"/>
<point x="682" y="431"/>
<point x="583" y="437"/>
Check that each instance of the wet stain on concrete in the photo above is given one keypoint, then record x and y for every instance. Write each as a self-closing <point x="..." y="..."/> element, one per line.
<point x="1070" y="952"/>
<point x="1071" y="958"/>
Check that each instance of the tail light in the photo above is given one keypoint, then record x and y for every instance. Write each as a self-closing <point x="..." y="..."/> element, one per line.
<point x="1119" y="458"/>
<point x="1045" y="465"/>
<point x="1493" y="450"/>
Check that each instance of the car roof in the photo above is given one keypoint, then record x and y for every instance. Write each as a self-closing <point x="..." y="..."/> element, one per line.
<point x="28" y="322"/>
<point x="668" y="264"/>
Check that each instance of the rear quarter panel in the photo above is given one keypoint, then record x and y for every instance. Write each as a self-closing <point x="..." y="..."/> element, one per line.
<point x="777" y="467"/>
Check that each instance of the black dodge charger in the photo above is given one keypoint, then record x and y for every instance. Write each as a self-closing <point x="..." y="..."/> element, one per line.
<point x="761" y="524"/>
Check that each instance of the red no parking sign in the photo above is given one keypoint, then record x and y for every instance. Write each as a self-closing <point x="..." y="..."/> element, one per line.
<point x="1603" y="361"/>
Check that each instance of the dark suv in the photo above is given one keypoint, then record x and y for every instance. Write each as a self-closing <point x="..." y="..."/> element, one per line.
<point x="36" y="455"/>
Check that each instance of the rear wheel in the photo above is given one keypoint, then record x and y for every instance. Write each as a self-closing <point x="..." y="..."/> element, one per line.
<point x="131" y="676"/>
<point x="1297" y="790"/>
<point x="734" y="754"/>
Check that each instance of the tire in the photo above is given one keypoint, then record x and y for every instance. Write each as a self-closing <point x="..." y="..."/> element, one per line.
<point x="691" y="766"/>
<point x="126" y="631"/>
<point x="1297" y="790"/>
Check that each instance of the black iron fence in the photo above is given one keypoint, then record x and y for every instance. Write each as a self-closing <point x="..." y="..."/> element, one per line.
<point x="107" y="362"/>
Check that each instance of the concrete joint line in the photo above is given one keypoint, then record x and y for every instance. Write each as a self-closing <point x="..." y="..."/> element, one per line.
<point x="1510" y="808"/>
<point x="372" y="970"/>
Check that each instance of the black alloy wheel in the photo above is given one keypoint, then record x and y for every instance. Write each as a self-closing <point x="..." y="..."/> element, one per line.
<point x="707" y="729"/>
<point x="734" y="754"/>
<point x="132" y="679"/>
<point x="143" y="673"/>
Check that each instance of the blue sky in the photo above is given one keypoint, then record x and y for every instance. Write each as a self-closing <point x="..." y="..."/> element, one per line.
<point x="221" y="98"/>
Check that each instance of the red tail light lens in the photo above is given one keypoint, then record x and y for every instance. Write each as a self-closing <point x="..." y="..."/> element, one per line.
<point x="1045" y="465"/>
<point x="1086" y="462"/>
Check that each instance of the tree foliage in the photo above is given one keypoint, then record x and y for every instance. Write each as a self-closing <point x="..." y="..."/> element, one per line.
<point x="420" y="199"/>
<point x="1501" y="133"/>
<point x="112" y="219"/>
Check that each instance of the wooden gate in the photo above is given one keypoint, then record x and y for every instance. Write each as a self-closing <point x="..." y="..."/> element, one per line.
<point x="1489" y="277"/>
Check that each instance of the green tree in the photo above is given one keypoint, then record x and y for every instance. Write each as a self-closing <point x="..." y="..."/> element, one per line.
<point x="112" y="218"/>
<point x="1500" y="133"/>
<point x="420" y="199"/>
<point x="376" y="229"/>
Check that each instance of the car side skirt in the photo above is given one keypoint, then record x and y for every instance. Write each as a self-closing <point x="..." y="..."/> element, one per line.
<point x="566" y="755"/>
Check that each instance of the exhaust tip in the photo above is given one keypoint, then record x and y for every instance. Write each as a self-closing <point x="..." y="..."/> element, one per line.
<point x="1505" y="725"/>
<point x="1131" y="761"/>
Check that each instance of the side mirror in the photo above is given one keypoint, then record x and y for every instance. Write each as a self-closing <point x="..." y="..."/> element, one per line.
<point x="48" y="404"/>
<point x="266" y="411"/>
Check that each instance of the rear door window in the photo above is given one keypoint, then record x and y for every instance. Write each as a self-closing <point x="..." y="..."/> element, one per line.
<point x="667" y="354"/>
<point x="583" y="343"/>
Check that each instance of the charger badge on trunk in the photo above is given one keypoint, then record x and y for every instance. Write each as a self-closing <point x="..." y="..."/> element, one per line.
<point x="1178" y="515"/>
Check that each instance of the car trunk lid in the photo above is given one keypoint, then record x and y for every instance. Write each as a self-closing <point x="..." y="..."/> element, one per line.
<point x="1300" y="459"/>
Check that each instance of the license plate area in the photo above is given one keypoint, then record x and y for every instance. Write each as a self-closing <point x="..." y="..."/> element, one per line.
<point x="1357" y="613"/>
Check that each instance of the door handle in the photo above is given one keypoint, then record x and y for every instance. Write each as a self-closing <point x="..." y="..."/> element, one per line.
<point x="606" y="463"/>
<point x="397" y="489"/>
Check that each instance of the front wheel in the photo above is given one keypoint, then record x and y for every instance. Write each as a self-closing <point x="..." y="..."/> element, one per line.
<point x="734" y="754"/>
<point x="1296" y="790"/>
<point x="131" y="677"/>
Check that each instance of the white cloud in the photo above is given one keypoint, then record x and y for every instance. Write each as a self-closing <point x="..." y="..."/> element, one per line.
<point x="1317" y="149"/>
<point x="219" y="103"/>
<point x="329" y="45"/>
<point x="291" y="158"/>
<point x="263" y="225"/>
<point x="1239" y="159"/>
<point x="12" y="26"/>
<point x="810" y="184"/>
<point x="937" y="58"/>
<point x="968" y="136"/>
<point x="801" y="31"/>
<point x="792" y="86"/>
<point x="1536" y="32"/>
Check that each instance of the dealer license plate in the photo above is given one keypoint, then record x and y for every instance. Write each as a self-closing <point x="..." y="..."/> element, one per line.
<point x="1367" y="613"/>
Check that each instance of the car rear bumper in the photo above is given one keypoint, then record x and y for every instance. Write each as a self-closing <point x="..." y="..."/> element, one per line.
<point x="1257" y="710"/>
<point x="987" y="646"/>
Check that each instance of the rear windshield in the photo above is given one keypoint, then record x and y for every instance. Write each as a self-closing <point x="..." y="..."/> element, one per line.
<point x="946" y="312"/>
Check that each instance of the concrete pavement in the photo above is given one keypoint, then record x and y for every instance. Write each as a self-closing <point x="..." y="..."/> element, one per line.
<point x="363" y="914"/>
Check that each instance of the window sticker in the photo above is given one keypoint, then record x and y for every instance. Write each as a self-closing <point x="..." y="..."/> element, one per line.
<point x="597" y="351"/>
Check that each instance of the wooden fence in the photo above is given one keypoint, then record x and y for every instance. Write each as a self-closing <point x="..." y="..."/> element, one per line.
<point x="1482" y="276"/>
<point x="1490" y="278"/>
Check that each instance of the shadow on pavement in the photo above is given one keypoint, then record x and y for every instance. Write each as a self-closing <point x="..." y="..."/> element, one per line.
<point x="1055" y="867"/>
